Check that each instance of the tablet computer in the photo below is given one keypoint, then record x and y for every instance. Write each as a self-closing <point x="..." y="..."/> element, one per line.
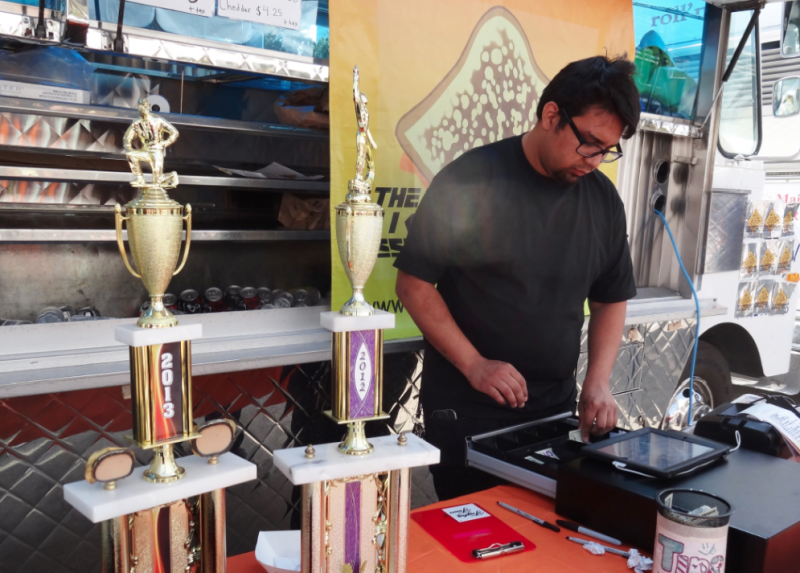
<point x="658" y="453"/>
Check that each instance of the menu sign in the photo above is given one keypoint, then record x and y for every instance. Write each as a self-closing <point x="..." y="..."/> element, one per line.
<point x="196" y="7"/>
<point x="281" y="13"/>
<point x="42" y="92"/>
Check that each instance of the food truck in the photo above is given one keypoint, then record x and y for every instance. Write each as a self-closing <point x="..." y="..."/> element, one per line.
<point x="260" y="159"/>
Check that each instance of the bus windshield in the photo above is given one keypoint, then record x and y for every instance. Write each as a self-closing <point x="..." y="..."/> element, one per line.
<point x="669" y="41"/>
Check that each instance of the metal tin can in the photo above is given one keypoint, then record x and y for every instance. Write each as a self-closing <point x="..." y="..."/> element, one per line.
<point x="50" y="314"/>
<point x="233" y="298"/>
<point x="250" y="298"/>
<point x="264" y="295"/>
<point x="190" y="302"/>
<point x="171" y="301"/>
<point x="212" y="300"/>
<point x="88" y="311"/>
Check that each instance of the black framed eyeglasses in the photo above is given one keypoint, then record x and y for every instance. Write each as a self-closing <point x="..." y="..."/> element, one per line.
<point x="589" y="150"/>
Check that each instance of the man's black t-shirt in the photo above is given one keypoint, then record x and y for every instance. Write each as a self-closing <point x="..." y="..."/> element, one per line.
<point x="514" y="255"/>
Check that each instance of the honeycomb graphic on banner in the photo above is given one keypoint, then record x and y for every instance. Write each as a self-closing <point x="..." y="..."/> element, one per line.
<point x="490" y="94"/>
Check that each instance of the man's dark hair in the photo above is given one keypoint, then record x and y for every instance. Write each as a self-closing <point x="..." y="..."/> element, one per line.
<point x="599" y="81"/>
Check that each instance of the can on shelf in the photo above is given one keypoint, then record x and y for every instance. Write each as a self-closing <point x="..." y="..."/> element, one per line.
<point x="276" y="294"/>
<point x="87" y="311"/>
<point x="264" y="295"/>
<point x="212" y="300"/>
<point x="170" y="301"/>
<point x="233" y="298"/>
<point x="190" y="302"/>
<point x="51" y="314"/>
<point x="250" y="298"/>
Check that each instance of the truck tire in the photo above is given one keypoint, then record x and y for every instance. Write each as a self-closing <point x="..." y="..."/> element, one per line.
<point x="712" y="387"/>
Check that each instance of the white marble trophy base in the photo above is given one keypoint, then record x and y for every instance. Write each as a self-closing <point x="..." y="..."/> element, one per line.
<point x="136" y="336"/>
<point x="328" y="463"/>
<point x="336" y="322"/>
<point x="135" y="494"/>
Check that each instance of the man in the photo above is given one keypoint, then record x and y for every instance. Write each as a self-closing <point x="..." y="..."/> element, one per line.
<point x="515" y="236"/>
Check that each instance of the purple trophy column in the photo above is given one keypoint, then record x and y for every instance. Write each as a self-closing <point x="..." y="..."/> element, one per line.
<point x="352" y="525"/>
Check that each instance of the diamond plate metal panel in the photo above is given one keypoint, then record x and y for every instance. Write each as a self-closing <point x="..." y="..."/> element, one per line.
<point x="646" y="371"/>
<point x="667" y="347"/>
<point x="630" y="335"/>
<point x="631" y="415"/>
<point x="627" y="372"/>
<point x="46" y="439"/>
<point x="723" y="248"/>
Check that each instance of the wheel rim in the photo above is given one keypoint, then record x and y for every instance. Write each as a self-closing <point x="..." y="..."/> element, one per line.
<point x="677" y="415"/>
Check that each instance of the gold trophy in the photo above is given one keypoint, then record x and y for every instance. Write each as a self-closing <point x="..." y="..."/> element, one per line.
<point x="180" y="526"/>
<point x="357" y="362"/>
<point x="154" y="221"/>
<point x="355" y="511"/>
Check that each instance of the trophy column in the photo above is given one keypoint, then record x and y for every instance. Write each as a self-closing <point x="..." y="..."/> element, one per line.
<point x="357" y="370"/>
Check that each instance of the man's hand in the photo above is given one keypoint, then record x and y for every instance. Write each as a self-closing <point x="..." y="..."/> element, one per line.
<point x="499" y="380"/>
<point x="597" y="410"/>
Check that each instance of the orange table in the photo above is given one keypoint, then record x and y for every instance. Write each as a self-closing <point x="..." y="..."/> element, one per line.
<point x="553" y="552"/>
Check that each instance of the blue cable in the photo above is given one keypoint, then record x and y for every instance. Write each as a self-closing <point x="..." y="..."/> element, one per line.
<point x="697" y="308"/>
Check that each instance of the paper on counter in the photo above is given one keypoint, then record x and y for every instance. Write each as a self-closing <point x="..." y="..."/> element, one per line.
<point x="787" y="423"/>
<point x="468" y="512"/>
<point x="639" y="562"/>
<point x="594" y="548"/>
<point x="272" y="171"/>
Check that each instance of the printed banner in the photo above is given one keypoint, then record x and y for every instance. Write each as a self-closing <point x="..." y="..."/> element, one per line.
<point x="443" y="77"/>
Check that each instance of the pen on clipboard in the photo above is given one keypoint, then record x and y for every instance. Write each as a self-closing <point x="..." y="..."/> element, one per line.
<point x="588" y="532"/>
<point x="498" y="549"/>
<point x="619" y="552"/>
<point x="536" y="520"/>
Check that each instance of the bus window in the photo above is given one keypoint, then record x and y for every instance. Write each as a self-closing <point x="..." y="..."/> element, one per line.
<point x="669" y="40"/>
<point x="740" y="117"/>
<point x="790" y="36"/>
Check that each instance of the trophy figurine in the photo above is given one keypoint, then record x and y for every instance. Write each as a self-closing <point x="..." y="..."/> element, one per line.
<point x="153" y="527"/>
<point x="154" y="221"/>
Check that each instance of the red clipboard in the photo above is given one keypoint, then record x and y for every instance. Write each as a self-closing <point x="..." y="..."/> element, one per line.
<point x="460" y="538"/>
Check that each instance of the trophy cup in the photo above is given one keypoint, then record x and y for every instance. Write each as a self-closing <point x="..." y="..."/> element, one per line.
<point x="154" y="221"/>
<point x="355" y="510"/>
<point x="147" y="526"/>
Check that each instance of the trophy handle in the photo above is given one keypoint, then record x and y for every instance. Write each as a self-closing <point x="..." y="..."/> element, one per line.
<point x="348" y="237"/>
<point x="188" y="219"/>
<point x="118" y="221"/>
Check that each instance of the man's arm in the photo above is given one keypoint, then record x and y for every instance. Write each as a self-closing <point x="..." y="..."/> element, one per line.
<point x="423" y="302"/>
<point x="597" y="408"/>
<point x="127" y="139"/>
<point x="172" y="133"/>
